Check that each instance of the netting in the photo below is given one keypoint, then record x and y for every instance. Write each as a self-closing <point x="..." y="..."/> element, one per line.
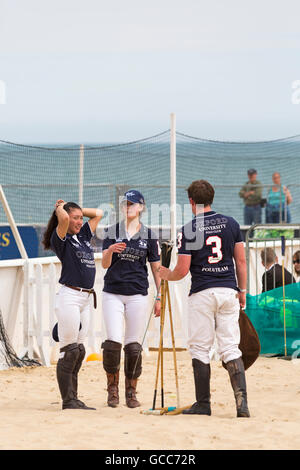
<point x="33" y="177"/>
<point x="225" y="165"/>
<point x="276" y="318"/>
<point x="8" y="357"/>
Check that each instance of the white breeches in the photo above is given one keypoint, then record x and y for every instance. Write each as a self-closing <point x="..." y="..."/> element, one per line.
<point x="72" y="308"/>
<point x="131" y="309"/>
<point x="214" y="312"/>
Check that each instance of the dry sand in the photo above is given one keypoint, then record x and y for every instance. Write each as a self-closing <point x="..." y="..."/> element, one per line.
<point x="31" y="415"/>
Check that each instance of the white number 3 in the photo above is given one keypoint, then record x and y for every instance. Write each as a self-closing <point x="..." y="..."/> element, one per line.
<point x="216" y="250"/>
<point x="179" y="240"/>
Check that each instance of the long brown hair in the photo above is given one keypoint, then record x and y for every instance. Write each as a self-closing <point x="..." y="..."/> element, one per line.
<point x="53" y="222"/>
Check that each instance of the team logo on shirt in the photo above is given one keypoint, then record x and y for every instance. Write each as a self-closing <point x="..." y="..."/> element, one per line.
<point x="143" y="244"/>
<point x="75" y="244"/>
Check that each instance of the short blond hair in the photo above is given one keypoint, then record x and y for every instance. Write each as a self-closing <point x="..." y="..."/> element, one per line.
<point x="268" y="255"/>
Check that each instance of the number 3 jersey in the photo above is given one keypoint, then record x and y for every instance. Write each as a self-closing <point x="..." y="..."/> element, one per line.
<point x="210" y="239"/>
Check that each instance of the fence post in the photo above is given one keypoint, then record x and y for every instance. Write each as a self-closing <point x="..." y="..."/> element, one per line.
<point x="52" y="288"/>
<point x="26" y="308"/>
<point x="12" y="224"/>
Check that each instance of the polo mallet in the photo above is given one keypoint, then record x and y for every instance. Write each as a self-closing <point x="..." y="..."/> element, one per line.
<point x="167" y="410"/>
<point x="148" y="323"/>
<point x="166" y="251"/>
<point x="160" y="354"/>
<point x="173" y="347"/>
<point x="283" y="291"/>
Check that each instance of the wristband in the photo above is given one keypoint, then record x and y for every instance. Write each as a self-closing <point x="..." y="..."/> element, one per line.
<point x="242" y="290"/>
<point x="157" y="298"/>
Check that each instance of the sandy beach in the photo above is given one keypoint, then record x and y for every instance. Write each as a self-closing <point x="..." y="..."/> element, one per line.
<point x="31" y="415"/>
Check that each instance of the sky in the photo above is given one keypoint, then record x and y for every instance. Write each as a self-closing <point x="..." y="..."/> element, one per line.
<point x="99" y="71"/>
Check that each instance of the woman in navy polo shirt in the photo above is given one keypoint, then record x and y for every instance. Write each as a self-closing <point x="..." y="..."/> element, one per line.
<point x="70" y="239"/>
<point x="126" y="248"/>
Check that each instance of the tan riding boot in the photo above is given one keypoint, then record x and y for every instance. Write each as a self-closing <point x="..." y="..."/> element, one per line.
<point x="130" y="393"/>
<point x="113" y="389"/>
<point x="132" y="369"/>
<point x="111" y="365"/>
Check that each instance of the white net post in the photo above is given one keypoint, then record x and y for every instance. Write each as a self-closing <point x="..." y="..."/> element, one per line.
<point x="173" y="177"/>
<point x="81" y="167"/>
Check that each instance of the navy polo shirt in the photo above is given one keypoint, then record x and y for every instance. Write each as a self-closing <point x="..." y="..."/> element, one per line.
<point x="77" y="257"/>
<point x="128" y="273"/>
<point x="210" y="239"/>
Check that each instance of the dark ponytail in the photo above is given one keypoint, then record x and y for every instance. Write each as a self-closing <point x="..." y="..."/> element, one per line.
<point x="53" y="223"/>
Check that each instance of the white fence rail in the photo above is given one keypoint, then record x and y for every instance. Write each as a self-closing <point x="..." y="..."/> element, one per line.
<point x="28" y="289"/>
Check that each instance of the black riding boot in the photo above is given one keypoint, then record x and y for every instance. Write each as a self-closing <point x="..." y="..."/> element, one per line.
<point x="202" y="389"/>
<point x="64" y="373"/>
<point x="75" y="377"/>
<point x="238" y="382"/>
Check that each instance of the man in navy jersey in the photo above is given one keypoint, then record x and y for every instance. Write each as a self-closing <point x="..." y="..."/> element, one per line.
<point x="211" y="248"/>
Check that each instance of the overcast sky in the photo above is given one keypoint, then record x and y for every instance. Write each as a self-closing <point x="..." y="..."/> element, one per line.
<point x="98" y="71"/>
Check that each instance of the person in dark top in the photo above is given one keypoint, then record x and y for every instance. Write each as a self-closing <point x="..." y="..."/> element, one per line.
<point x="251" y="192"/>
<point x="272" y="277"/>
<point x="69" y="238"/>
<point x="296" y="263"/>
<point x="127" y="247"/>
<point x="208" y="247"/>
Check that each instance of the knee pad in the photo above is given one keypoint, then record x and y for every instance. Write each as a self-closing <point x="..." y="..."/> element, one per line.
<point x="133" y="360"/>
<point x="69" y="357"/>
<point x="111" y="356"/>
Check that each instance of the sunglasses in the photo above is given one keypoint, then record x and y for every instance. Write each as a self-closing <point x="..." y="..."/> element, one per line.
<point x="296" y="261"/>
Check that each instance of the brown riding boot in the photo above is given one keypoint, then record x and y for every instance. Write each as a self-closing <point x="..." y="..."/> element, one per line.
<point x="130" y="393"/>
<point x="113" y="389"/>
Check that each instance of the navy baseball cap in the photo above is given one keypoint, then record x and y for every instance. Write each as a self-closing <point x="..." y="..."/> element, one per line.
<point x="252" y="171"/>
<point x="134" y="196"/>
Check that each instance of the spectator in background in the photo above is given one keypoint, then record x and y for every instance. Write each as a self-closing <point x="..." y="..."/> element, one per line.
<point x="277" y="193"/>
<point x="272" y="277"/>
<point x="251" y="192"/>
<point x="296" y="263"/>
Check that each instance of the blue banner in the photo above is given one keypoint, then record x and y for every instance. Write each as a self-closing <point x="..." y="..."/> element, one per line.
<point x="8" y="246"/>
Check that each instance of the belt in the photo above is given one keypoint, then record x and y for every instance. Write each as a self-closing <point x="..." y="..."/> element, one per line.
<point x="90" y="291"/>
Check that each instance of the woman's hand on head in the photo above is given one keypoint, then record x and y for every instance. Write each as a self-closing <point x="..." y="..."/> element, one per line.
<point x="59" y="202"/>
